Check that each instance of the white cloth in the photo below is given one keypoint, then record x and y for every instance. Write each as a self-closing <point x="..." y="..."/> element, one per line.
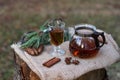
<point x="107" y="55"/>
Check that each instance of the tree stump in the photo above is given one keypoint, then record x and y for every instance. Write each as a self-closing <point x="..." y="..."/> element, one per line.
<point x="23" y="72"/>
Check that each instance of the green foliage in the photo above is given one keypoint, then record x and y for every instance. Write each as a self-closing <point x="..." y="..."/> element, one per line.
<point x="30" y="35"/>
<point x="44" y="26"/>
<point x="30" y="42"/>
<point x="34" y="39"/>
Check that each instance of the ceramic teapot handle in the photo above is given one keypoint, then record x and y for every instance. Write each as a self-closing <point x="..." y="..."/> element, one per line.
<point x="97" y="42"/>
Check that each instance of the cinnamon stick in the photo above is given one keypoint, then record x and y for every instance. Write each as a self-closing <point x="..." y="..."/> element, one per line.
<point x="51" y="62"/>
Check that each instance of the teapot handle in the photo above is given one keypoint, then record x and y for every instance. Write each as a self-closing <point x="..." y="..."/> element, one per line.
<point x="97" y="42"/>
<point x="103" y="37"/>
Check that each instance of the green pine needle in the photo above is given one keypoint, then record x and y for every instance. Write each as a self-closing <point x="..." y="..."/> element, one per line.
<point x="34" y="39"/>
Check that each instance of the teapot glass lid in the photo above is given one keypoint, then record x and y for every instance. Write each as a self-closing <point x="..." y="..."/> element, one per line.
<point x="85" y="29"/>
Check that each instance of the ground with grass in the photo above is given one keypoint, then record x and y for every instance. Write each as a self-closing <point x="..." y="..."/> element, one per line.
<point x="19" y="16"/>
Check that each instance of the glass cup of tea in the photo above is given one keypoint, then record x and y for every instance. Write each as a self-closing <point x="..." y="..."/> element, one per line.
<point x="57" y="36"/>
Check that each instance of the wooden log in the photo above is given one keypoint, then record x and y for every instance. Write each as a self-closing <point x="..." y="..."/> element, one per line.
<point x="25" y="73"/>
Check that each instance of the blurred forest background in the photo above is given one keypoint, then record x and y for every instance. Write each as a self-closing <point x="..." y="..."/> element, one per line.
<point x="20" y="16"/>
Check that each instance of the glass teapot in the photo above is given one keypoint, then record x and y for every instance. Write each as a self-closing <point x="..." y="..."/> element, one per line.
<point x="85" y="42"/>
